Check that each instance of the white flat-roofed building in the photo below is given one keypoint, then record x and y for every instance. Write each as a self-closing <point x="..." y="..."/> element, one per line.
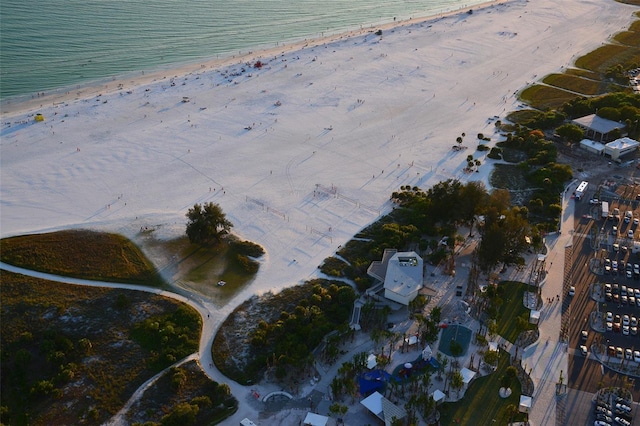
<point x="620" y="147"/>
<point x="404" y="277"/>
<point x="592" y="146"/>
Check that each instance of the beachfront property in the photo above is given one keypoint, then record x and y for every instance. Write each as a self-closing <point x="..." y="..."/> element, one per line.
<point x="614" y="150"/>
<point x="620" y="147"/>
<point x="402" y="274"/>
<point x="597" y="128"/>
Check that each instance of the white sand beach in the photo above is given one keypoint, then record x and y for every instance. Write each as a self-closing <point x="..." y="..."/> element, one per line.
<point x="301" y="153"/>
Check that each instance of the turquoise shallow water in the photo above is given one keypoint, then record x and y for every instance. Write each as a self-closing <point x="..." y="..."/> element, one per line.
<point x="54" y="44"/>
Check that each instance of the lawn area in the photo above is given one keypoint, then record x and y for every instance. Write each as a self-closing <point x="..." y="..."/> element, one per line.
<point x="575" y="84"/>
<point x="608" y="55"/>
<point x="481" y="404"/>
<point x="579" y="72"/>
<point x="82" y="254"/>
<point x="512" y="308"/>
<point x="546" y="97"/>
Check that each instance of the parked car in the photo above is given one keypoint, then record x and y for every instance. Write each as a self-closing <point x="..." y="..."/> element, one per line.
<point x="602" y="422"/>
<point x="604" y="418"/>
<point x="619" y="352"/>
<point x="583" y="350"/>
<point x="625" y="330"/>
<point x="611" y="351"/>
<point x="626" y="319"/>
<point x="603" y="410"/>
<point x="622" y="407"/>
<point x="595" y="201"/>
<point x="572" y="291"/>
<point x="623" y="290"/>
<point x="631" y="300"/>
<point x="584" y="334"/>
<point x="622" y="421"/>
<point x="614" y="266"/>
<point x="628" y="354"/>
<point x="610" y="316"/>
<point x="630" y="234"/>
<point x="634" y="331"/>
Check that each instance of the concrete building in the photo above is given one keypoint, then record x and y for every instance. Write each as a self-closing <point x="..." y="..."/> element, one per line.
<point x="620" y="147"/>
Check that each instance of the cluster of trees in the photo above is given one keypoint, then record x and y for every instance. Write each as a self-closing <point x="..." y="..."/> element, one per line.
<point x="191" y="399"/>
<point x="208" y="225"/>
<point x="169" y="337"/>
<point x="34" y="369"/>
<point x="292" y="323"/>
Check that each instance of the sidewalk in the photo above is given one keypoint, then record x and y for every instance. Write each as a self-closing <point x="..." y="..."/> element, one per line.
<point x="547" y="358"/>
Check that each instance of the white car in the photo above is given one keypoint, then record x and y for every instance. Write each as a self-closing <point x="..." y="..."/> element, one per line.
<point x="636" y="293"/>
<point x="609" y="326"/>
<point x="622" y="421"/>
<point x="626" y="319"/>
<point x="609" y="317"/>
<point x="583" y="350"/>
<point x="636" y="221"/>
<point x="628" y="354"/>
<point x="625" y="330"/>
<point x="572" y="291"/>
<point x="594" y="201"/>
<point x="616" y="247"/>
<point x="630" y="234"/>
<point x="623" y="408"/>
<point x="636" y="356"/>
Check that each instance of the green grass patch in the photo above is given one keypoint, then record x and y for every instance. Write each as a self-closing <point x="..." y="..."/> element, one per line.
<point x="546" y="97"/>
<point x="82" y="254"/>
<point x="579" y="72"/>
<point x="575" y="84"/>
<point x="607" y="56"/>
<point x="511" y="309"/>
<point x="630" y="38"/>
<point x="482" y="404"/>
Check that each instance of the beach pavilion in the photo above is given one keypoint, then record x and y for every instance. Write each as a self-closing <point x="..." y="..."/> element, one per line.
<point x="597" y="128"/>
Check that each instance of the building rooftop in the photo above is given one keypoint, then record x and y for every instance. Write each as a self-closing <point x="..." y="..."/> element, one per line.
<point x="599" y="124"/>
<point x="623" y="143"/>
<point x="404" y="273"/>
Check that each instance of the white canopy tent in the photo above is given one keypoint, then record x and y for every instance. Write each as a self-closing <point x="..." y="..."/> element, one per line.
<point x="534" y="317"/>
<point x="525" y="404"/>
<point x="438" y="396"/>
<point x="314" y="419"/>
<point x="427" y="353"/>
<point x="467" y="375"/>
<point x="371" y="361"/>
<point x="411" y="340"/>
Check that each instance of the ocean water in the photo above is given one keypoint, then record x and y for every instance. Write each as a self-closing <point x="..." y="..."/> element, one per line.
<point x="54" y="44"/>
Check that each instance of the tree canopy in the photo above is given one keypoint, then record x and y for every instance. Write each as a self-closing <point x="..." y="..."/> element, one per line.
<point x="207" y="223"/>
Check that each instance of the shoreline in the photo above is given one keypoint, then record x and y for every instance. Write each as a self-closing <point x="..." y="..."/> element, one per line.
<point x="22" y="104"/>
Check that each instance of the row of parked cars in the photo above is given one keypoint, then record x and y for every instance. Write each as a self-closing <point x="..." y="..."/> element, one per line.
<point x="622" y="295"/>
<point x="613" y="267"/>
<point x="618" y="413"/>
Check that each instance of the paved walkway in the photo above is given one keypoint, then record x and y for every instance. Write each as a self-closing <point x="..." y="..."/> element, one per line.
<point x="547" y="359"/>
